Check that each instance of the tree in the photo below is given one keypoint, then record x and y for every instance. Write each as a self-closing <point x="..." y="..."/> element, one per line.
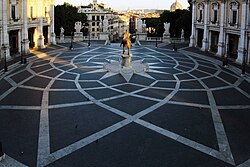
<point x="180" y="19"/>
<point x="65" y="16"/>
<point x="156" y="24"/>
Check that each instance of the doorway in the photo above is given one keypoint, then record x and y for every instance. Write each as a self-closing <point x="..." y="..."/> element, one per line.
<point x="214" y="41"/>
<point x="31" y="32"/>
<point x="233" y="41"/>
<point x="200" y="38"/>
<point x="45" y="34"/>
<point x="13" y="40"/>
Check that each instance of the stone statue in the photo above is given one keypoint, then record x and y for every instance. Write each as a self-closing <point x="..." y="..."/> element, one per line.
<point x="100" y="26"/>
<point x="61" y="31"/>
<point x="78" y="26"/>
<point x="182" y="33"/>
<point x="144" y="27"/>
<point x="139" y="25"/>
<point x="166" y="27"/>
<point x="105" y="24"/>
<point x="166" y="35"/>
<point x="61" y="39"/>
<point x="182" y="36"/>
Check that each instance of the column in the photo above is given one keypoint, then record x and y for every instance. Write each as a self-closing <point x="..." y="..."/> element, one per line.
<point x="19" y="41"/>
<point x="227" y="45"/>
<point x="52" y="25"/>
<point x="25" y="38"/>
<point x="242" y="40"/>
<point x="5" y="48"/>
<point x="192" y="37"/>
<point x="210" y="40"/>
<point x="205" y="35"/>
<point x="1" y="28"/>
<point x="40" y="40"/>
<point x="221" y="43"/>
<point x="196" y="38"/>
<point x="248" y="54"/>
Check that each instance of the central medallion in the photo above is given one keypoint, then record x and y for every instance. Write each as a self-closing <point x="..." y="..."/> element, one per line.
<point x="126" y="67"/>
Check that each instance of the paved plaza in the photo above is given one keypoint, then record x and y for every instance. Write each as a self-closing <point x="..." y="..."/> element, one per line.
<point x="63" y="109"/>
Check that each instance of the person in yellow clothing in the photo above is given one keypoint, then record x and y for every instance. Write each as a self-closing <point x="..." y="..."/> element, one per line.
<point x="126" y="41"/>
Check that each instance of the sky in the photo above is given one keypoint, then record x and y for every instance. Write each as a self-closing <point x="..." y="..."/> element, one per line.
<point x="128" y="4"/>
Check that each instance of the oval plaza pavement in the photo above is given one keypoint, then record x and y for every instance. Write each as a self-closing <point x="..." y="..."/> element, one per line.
<point x="63" y="109"/>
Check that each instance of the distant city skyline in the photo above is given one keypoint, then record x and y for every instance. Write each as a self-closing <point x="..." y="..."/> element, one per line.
<point x="128" y="4"/>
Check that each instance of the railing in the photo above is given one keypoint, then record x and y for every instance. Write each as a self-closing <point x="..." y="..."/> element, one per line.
<point x="232" y="25"/>
<point x="154" y="39"/>
<point x="33" y="20"/>
<point x="67" y="39"/>
<point x="215" y="22"/>
<point x="91" y="38"/>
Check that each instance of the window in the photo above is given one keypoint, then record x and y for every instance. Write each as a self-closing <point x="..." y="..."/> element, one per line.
<point x="93" y="17"/>
<point x="102" y="17"/>
<point x="215" y="16"/>
<point x="46" y="12"/>
<point x="13" y="12"/>
<point x="234" y="13"/>
<point x="98" y="18"/>
<point x="215" y="11"/>
<point x="234" y="19"/>
<point x="31" y="12"/>
<point x="93" y="23"/>
<point x="200" y="18"/>
<point x="93" y="29"/>
<point x="200" y="12"/>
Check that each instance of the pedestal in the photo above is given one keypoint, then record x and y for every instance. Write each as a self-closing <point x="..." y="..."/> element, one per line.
<point x="221" y="48"/>
<point x="103" y="36"/>
<point x="126" y="60"/>
<point x="78" y="36"/>
<point x="204" y="45"/>
<point x="5" y="52"/>
<point x="141" y="36"/>
<point x="166" y="38"/>
<point x="192" y="41"/>
<point x="61" y="39"/>
<point x="40" y="42"/>
<point x="240" y="57"/>
<point x="25" y="45"/>
<point x="182" y="40"/>
<point x="53" y="38"/>
<point x="2" y="157"/>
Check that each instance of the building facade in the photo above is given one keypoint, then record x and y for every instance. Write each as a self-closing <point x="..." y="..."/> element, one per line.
<point x="96" y="12"/>
<point x="25" y="24"/>
<point x="221" y="27"/>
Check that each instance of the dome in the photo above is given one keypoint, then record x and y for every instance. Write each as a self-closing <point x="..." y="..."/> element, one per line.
<point x="176" y="6"/>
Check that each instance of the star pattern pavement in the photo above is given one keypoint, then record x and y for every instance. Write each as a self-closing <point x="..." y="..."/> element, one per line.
<point x="65" y="109"/>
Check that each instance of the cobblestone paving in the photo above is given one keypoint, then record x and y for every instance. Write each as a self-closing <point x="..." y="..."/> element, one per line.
<point x="64" y="109"/>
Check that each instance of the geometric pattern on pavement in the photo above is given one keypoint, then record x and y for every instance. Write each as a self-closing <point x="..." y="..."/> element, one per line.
<point x="182" y="97"/>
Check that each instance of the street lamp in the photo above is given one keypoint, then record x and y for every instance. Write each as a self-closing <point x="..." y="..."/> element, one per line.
<point x="225" y="58"/>
<point x="174" y="47"/>
<point x="71" y="44"/>
<point x="89" y="38"/>
<point x="156" y="45"/>
<point x="243" y="69"/>
<point x="23" y="56"/>
<point x="89" y="21"/>
<point x="4" y="48"/>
